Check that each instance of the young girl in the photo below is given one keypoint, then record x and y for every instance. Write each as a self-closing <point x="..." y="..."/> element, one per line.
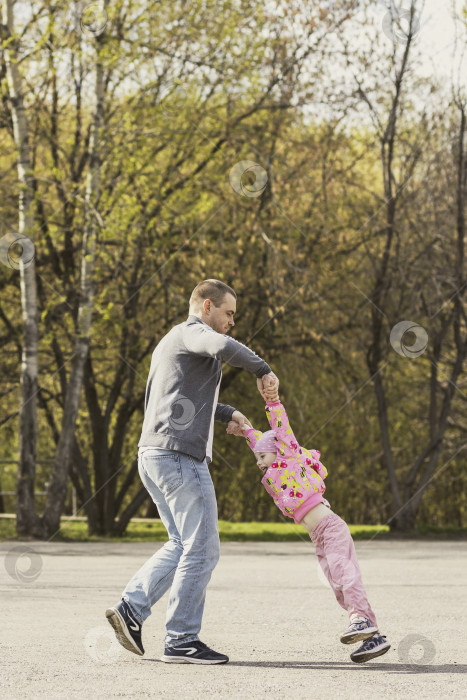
<point x="294" y="476"/>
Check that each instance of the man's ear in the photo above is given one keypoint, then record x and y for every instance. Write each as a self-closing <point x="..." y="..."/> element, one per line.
<point x="207" y="306"/>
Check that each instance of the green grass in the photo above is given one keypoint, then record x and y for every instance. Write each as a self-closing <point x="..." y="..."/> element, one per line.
<point x="154" y="531"/>
<point x="283" y="532"/>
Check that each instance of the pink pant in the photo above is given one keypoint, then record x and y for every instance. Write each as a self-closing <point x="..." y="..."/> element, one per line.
<point x="336" y="554"/>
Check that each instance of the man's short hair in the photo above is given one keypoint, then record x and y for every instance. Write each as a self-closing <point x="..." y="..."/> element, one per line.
<point x="215" y="290"/>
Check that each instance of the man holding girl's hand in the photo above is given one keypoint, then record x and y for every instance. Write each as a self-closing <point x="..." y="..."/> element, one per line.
<point x="268" y="387"/>
<point x="175" y="448"/>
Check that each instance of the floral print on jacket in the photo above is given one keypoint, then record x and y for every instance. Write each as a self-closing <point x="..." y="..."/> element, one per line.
<point x="296" y="477"/>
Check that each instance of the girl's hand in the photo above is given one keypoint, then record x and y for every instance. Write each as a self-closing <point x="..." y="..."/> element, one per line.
<point x="233" y="428"/>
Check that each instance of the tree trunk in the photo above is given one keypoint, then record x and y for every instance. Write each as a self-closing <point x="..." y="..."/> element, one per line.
<point x="424" y="467"/>
<point x="27" y="522"/>
<point x="121" y="524"/>
<point x="84" y="489"/>
<point x="382" y="285"/>
<point x="405" y="520"/>
<point x="79" y="470"/>
<point x="151" y="510"/>
<point x="57" y="492"/>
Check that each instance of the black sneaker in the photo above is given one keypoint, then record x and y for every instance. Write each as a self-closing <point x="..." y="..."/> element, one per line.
<point x="127" y="628"/>
<point x="193" y="653"/>
<point x="370" y="649"/>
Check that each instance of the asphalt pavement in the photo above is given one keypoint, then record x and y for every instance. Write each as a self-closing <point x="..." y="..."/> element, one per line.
<point x="268" y="607"/>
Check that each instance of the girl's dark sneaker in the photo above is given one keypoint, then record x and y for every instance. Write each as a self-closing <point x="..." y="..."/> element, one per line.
<point x="360" y="628"/>
<point x="370" y="649"/>
<point x="193" y="653"/>
<point x="127" y="628"/>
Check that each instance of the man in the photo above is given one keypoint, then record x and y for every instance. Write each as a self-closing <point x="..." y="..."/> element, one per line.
<point x="175" y="449"/>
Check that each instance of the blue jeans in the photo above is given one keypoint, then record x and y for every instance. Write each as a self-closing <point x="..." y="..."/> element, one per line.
<point x="183" y="492"/>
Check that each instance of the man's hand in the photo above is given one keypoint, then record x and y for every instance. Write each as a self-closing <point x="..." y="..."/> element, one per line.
<point x="234" y="428"/>
<point x="270" y="380"/>
<point x="268" y="387"/>
<point x="242" y="421"/>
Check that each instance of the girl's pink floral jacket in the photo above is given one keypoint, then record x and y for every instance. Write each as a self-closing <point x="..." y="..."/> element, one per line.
<point x="295" y="479"/>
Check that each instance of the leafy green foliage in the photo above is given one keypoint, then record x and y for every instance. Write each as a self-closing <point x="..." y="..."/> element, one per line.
<point x="193" y="89"/>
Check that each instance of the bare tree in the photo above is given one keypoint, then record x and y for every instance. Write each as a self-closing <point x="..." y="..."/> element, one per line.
<point x="27" y="519"/>
<point x="65" y="449"/>
<point x="389" y="270"/>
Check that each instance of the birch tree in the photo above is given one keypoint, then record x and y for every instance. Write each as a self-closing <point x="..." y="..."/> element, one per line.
<point x="65" y="449"/>
<point x="27" y="519"/>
